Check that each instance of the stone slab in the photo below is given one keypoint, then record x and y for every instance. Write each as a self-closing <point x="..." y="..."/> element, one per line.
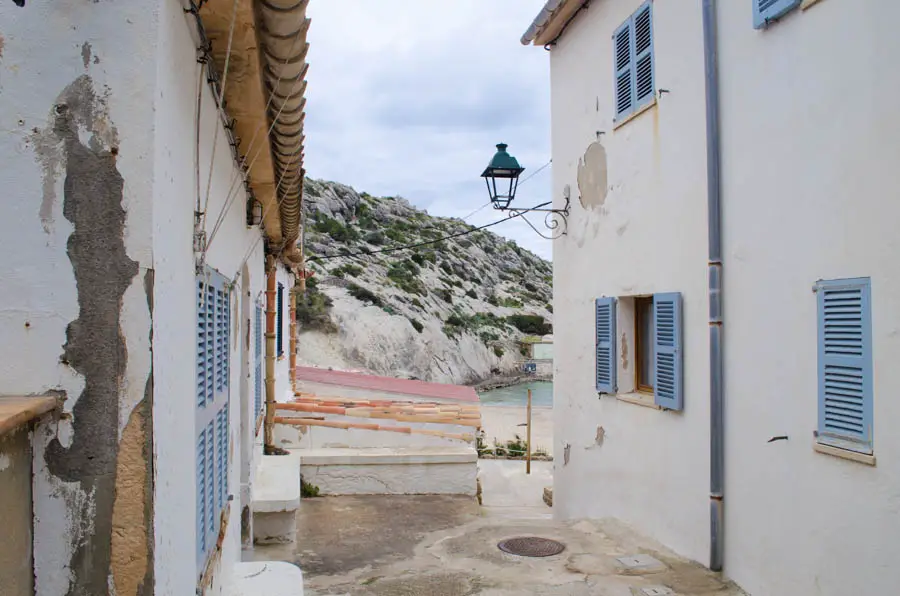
<point x="267" y="578"/>
<point x="276" y="487"/>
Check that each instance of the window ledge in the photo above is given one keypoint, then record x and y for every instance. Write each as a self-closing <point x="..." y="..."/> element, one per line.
<point x="862" y="458"/>
<point x="16" y="412"/>
<point x="807" y="3"/>
<point x="644" y="108"/>
<point x="639" y="399"/>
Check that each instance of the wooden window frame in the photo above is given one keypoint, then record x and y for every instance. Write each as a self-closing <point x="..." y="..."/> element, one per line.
<point x="638" y="344"/>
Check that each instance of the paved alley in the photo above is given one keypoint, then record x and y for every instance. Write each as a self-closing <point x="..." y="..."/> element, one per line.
<point x="447" y="546"/>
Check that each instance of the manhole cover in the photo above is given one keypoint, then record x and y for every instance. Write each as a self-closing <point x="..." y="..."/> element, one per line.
<point x="532" y="546"/>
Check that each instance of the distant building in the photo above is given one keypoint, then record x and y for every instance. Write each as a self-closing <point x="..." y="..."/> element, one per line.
<point x="538" y="354"/>
<point x="138" y="216"/>
<point x="777" y="188"/>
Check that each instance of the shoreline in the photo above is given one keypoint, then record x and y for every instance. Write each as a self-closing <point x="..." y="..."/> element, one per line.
<point x="509" y="381"/>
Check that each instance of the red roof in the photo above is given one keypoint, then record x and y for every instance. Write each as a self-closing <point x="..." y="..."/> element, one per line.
<point x="389" y="384"/>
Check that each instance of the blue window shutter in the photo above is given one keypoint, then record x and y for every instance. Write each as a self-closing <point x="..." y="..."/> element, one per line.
<point x="201" y="495"/>
<point x="210" y="466"/>
<point x="765" y="11"/>
<point x="642" y="27"/>
<point x="258" y="362"/>
<point x="845" y="363"/>
<point x="623" y="69"/>
<point x="202" y="355"/>
<point x="605" y="311"/>
<point x="667" y="351"/>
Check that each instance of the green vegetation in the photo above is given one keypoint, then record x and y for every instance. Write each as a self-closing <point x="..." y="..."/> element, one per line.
<point x="364" y="295"/>
<point x="314" y="309"/>
<point x="498" y="352"/>
<point x="307" y="489"/>
<point x="335" y="229"/>
<point x="531" y="324"/>
<point x="416" y="325"/>
<point x="471" y="294"/>
<point x="405" y="276"/>
<point x="445" y="294"/>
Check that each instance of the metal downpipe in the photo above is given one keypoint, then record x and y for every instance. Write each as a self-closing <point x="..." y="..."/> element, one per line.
<point x="716" y="377"/>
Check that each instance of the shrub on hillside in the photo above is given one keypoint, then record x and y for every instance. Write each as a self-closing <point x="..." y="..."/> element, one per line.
<point x="364" y="294"/>
<point x="530" y="324"/>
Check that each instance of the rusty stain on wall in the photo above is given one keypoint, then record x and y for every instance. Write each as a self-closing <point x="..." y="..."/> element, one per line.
<point x="95" y="347"/>
<point x="592" y="177"/>
<point x="624" y="352"/>
<point x="86" y="54"/>
<point x="2" y="43"/>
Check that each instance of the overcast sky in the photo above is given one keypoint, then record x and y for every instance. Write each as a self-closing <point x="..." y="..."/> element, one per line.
<point x="409" y="97"/>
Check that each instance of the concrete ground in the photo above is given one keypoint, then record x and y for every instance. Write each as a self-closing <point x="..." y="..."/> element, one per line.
<point x="447" y="546"/>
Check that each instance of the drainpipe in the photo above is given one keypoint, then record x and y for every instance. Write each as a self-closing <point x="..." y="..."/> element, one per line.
<point x="716" y="377"/>
<point x="270" y="354"/>
<point x="292" y="357"/>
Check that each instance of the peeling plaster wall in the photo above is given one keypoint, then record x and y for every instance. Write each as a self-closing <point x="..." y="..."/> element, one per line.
<point x="810" y="154"/>
<point x="638" y="226"/>
<point x="174" y="323"/>
<point x="76" y="116"/>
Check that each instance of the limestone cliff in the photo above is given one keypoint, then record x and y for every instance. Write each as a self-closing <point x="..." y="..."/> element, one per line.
<point x="452" y="311"/>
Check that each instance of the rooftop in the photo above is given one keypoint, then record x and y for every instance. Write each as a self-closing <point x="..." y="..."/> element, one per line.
<point x="388" y="384"/>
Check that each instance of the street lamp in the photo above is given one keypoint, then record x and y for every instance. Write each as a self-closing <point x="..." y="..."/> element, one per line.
<point x="502" y="179"/>
<point x="506" y="169"/>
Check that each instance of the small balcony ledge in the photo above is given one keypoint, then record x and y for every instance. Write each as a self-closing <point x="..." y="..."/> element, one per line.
<point x="17" y="411"/>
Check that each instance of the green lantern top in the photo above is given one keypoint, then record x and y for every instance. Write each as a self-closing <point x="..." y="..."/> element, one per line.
<point x="503" y="165"/>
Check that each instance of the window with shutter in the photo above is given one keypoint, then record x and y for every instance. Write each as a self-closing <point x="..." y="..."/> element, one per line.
<point x="257" y="359"/>
<point x="667" y="382"/>
<point x="605" y="327"/>
<point x="634" y="82"/>
<point x="845" y="364"/>
<point x="766" y="11"/>
<point x="211" y="418"/>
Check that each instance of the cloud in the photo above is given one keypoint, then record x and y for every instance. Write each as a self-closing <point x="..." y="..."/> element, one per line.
<point x="409" y="98"/>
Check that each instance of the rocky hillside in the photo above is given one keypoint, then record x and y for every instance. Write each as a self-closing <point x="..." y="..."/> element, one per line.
<point x="451" y="311"/>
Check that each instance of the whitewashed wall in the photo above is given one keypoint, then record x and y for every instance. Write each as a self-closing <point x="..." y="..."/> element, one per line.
<point x="810" y="157"/>
<point x="644" y="233"/>
<point x="95" y="58"/>
<point x="174" y="310"/>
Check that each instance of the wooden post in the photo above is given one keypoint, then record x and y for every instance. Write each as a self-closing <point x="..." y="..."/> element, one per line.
<point x="528" y="438"/>
<point x="292" y="356"/>
<point x="269" y="435"/>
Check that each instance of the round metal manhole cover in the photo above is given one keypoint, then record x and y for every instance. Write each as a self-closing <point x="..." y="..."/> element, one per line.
<point x="532" y="546"/>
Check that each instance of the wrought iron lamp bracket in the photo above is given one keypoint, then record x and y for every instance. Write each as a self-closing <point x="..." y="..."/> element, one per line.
<point x="555" y="220"/>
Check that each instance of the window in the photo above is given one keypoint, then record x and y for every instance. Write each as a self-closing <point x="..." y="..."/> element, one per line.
<point x="650" y="338"/>
<point x="766" y="11"/>
<point x="845" y="364"/>
<point x="634" y="81"/>
<point x="279" y="322"/>
<point x="643" y="343"/>
<point x="211" y="406"/>
<point x="257" y="362"/>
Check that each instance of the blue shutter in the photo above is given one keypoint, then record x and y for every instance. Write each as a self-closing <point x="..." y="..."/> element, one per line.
<point x="605" y="311"/>
<point x="202" y="356"/>
<point x="642" y="27"/>
<point x="623" y="68"/>
<point x="201" y="495"/>
<point x="210" y="326"/>
<point x="845" y="363"/>
<point x="667" y="352"/>
<point x="221" y="456"/>
<point x="769" y="10"/>
<point x="258" y="362"/>
<point x="210" y="465"/>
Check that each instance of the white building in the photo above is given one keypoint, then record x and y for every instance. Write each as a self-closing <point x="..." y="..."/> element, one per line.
<point x="133" y="283"/>
<point x="727" y="296"/>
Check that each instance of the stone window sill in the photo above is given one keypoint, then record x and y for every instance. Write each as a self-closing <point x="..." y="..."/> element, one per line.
<point x="639" y="399"/>
<point x="644" y="108"/>
<point x="19" y="411"/>
<point x="807" y="3"/>
<point x="861" y="458"/>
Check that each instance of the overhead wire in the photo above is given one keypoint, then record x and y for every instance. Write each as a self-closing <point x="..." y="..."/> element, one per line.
<point x="212" y="157"/>
<point x="436" y="240"/>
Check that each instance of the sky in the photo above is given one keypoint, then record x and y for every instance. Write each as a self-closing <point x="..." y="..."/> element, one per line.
<point x="409" y="98"/>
